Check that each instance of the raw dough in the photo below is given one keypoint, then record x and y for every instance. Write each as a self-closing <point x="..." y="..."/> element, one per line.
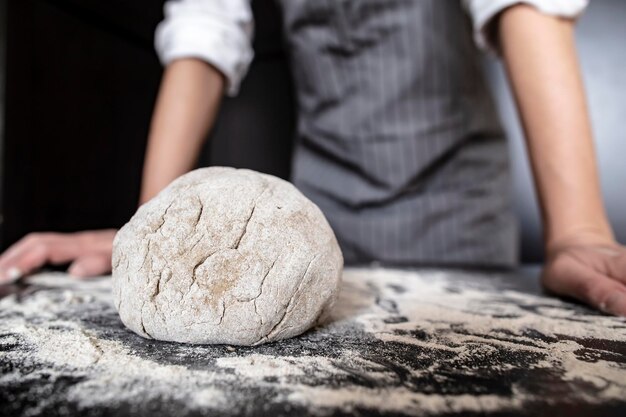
<point x="225" y="255"/>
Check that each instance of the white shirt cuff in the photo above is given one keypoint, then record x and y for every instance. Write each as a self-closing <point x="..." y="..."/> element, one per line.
<point x="219" y="39"/>
<point x="483" y="11"/>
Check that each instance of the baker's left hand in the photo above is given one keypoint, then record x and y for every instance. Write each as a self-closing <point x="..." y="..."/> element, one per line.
<point x="590" y="270"/>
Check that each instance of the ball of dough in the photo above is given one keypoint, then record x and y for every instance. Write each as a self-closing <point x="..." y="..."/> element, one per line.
<point x="225" y="255"/>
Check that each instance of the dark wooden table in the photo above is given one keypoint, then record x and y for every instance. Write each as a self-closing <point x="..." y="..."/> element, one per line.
<point x="399" y="343"/>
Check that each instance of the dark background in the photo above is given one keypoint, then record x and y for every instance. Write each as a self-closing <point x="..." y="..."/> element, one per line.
<point x="80" y="78"/>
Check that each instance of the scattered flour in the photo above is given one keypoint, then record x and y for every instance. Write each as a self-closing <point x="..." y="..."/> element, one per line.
<point x="394" y="340"/>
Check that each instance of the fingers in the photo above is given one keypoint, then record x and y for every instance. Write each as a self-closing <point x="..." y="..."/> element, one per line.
<point x="18" y="247"/>
<point x="587" y="285"/>
<point x="97" y="240"/>
<point x="91" y="265"/>
<point x="63" y="245"/>
<point x="606" y="294"/>
<point x="11" y="275"/>
<point x="615" y="265"/>
<point x="35" y="250"/>
<point x="614" y="302"/>
<point x="25" y="262"/>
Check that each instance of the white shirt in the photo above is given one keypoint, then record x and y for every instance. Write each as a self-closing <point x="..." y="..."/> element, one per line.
<point x="220" y="31"/>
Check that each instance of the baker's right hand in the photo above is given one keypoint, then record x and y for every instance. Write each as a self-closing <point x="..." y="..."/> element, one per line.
<point x="89" y="253"/>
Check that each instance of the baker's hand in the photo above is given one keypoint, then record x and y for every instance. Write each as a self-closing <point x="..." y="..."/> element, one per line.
<point x="593" y="272"/>
<point x="89" y="253"/>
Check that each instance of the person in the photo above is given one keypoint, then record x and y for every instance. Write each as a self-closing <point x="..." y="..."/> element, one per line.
<point x="398" y="140"/>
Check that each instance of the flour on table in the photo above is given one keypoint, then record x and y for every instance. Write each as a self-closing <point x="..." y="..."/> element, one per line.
<point x="397" y="342"/>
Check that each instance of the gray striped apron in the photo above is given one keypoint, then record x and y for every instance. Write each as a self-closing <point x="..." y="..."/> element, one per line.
<point x="398" y="139"/>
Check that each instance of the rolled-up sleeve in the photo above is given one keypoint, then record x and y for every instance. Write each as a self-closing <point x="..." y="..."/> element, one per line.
<point x="216" y="31"/>
<point x="483" y="11"/>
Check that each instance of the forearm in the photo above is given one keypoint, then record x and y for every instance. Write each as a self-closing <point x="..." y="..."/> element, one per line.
<point x="540" y="56"/>
<point x="188" y="101"/>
